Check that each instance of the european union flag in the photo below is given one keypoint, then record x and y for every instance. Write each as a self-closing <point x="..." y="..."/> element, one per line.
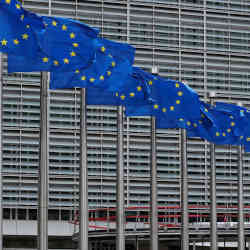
<point x="241" y="122"/>
<point x="64" y="45"/>
<point x="16" y="36"/>
<point x="216" y="126"/>
<point x="109" y="69"/>
<point x="173" y="103"/>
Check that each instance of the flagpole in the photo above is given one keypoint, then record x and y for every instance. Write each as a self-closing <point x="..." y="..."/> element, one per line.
<point x="241" y="234"/>
<point x="120" y="216"/>
<point x="153" y="184"/>
<point x="184" y="193"/>
<point x="213" y="212"/>
<point x="83" y="182"/>
<point x="43" y="169"/>
<point x="1" y="152"/>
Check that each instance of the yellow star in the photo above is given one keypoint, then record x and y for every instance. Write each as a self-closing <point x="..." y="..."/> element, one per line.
<point x="181" y="119"/>
<point x="123" y="97"/>
<point x="156" y="106"/>
<point x="25" y="36"/>
<point x="64" y="27"/>
<point x="56" y="63"/>
<point x="101" y="78"/>
<point x="66" y="60"/>
<point x="217" y="134"/>
<point x="132" y="94"/>
<point x="103" y="49"/>
<point x="241" y="137"/>
<point x="232" y="124"/>
<point x="116" y="94"/>
<point x="138" y="88"/>
<point x="92" y="79"/>
<point x="248" y="138"/>
<point x="45" y="59"/>
<point x="200" y="121"/>
<point x="75" y="45"/>
<point x="172" y="108"/>
<point x="224" y="134"/>
<point x="195" y="125"/>
<point x="206" y="110"/>
<point x="188" y="123"/>
<point x="22" y="17"/>
<point x="77" y="71"/>
<point x="180" y="93"/>
<point x="4" y="42"/>
<point x="113" y="64"/>
<point x="27" y="26"/>
<point x="109" y="73"/>
<point x="164" y="110"/>
<point x="150" y="82"/>
<point x="18" y="6"/>
<point x="177" y="85"/>
<point x="72" y="54"/>
<point x="178" y="101"/>
<point x="72" y="35"/>
<point x="83" y="78"/>
<point x="229" y="130"/>
<point x="16" y="42"/>
<point x="8" y="1"/>
<point x="54" y="23"/>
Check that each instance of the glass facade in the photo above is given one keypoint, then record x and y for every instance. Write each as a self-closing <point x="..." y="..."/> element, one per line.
<point x="205" y="43"/>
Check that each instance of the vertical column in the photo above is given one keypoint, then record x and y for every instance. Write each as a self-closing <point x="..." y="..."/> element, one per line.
<point x="153" y="184"/>
<point x="184" y="193"/>
<point x="83" y="182"/>
<point x="241" y="235"/>
<point x="213" y="212"/>
<point x="120" y="216"/>
<point x="43" y="167"/>
<point x="1" y="152"/>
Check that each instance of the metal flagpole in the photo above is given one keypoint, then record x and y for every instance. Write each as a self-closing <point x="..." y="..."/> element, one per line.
<point x="241" y="235"/>
<point x="120" y="219"/>
<point x="213" y="212"/>
<point x="153" y="185"/>
<point x="1" y="152"/>
<point x="184" y="193"/>
<point x="43" y="168"/>
<point x="83" y="182"/>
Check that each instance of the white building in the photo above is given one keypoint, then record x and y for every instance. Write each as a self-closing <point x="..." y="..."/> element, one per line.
<point x="202" y="42"/>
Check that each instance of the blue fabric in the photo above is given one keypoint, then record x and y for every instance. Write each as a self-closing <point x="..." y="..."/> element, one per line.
<point x="171" y="102"/>
<point x="215" y="126"/>
<point x="109" y="69"/>
<point x="16" y="37"/>
<point x="62" y="45"/>
<point x="96" y="96"/>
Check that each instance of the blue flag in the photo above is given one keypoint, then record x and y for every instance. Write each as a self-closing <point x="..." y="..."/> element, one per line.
<point x="64" y="45"/>
<point x="240" y="119"/>
<point x="109" y="70"/>
<point x="216" y="125"/>
<point x="16" y="36"/>
<point x="173" y="103"/>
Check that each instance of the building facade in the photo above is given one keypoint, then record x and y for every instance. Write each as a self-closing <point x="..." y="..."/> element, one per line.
<point x="205" y="43"/>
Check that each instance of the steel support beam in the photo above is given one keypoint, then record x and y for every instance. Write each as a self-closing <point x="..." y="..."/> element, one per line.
<point x="241" y="235"/>
<point x="43" y="166"/>
<point x="120" y="211"/>
<point x="83" y="182"/>
<point x="213" y="211"/>
<point x="184" y="193"/>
